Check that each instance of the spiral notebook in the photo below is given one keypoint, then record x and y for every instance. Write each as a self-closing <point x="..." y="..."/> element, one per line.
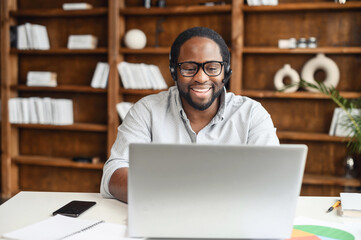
<point x="62" y="227"/>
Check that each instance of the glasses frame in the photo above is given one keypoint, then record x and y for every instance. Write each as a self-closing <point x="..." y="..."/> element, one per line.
<point x="201" y="65"/>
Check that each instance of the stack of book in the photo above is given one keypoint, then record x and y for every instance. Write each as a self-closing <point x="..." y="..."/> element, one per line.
<point x="123" y="109"/>
<point x="32" y="36"/>
<point x="77" y="6"/>
<point x="262" y="2"/>
<point x="141" y="76"/>
<point x="41" y="79"/>
<point x="340" y="123"/>
<point x="351" y="204"/>
<point x="37" y="110"/>
<point x="100" y="76"/>
<point x="86" y="41"/>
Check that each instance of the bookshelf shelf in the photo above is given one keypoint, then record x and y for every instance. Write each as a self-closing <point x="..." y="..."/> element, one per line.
<point x="64" y="88"/>
<point x="176" y="10"/>
<point x="314" y="179"/>
<point x="309" y="6"/>
<point x="326" y="50"/>
<point x="295" y="95"/>
<point x="87" y="127"/>
<point x="54" y="162"/>
<point x="147" y="50"/>
<point x="60" y="51"/>
<point x="139" y="91"/>
<point x="58" y="12"/>
<point x="302" y="136"/>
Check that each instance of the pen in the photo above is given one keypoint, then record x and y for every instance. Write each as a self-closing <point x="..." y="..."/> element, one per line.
<point x="335" y="205"/>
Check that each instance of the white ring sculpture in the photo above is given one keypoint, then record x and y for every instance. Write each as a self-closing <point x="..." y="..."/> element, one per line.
<point x="286" y="71"/>
<point x="321" y="62"/>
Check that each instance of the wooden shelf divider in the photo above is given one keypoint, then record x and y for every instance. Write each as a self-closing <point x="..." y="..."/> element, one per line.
<point x="54" y="162"/>
<point x="88" y="127"/>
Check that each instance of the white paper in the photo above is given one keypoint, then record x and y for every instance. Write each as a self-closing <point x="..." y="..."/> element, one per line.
<point x="59" y="226"/>
<point x="351" y="201"/>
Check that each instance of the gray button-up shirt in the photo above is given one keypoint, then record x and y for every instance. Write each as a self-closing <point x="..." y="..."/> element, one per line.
<point x="160" y="118"/>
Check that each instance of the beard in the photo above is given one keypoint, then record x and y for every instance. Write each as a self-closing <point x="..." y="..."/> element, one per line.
<point x="198" y="106"/>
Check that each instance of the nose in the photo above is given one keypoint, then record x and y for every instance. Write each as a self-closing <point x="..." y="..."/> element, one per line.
<point x="201" y="76"/>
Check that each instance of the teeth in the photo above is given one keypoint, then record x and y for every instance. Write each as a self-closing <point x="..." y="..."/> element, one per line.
<point x="200" y="89"/>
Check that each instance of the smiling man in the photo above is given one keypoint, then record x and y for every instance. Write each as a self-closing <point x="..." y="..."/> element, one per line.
<point x="197" y="110"/>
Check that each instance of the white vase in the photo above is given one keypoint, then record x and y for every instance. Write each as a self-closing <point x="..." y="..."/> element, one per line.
<point x="286" y="71"/>
<point x="321" y="62"/>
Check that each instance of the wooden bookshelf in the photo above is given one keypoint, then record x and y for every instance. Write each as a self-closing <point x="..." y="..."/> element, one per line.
<point x="38" y="157"/>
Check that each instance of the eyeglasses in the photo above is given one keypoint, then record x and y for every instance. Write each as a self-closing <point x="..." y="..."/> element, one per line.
<point x="190" y="69"/>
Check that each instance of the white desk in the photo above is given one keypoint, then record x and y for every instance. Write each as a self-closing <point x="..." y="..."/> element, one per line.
<point x="29" y="207"/>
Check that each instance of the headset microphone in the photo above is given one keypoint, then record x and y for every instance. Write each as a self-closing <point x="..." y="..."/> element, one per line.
<point x="227" y="77"/>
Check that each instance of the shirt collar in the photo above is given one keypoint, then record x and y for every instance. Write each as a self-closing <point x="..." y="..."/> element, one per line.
<point x="220" y="113"/>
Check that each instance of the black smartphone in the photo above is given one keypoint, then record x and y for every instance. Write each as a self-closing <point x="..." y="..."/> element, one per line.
<point x="74" y="208"/>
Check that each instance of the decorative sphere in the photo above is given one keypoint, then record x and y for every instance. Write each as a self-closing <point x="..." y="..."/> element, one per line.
<point x="135" y="39"/>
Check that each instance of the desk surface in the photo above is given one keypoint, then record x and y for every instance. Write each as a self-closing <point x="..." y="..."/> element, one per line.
<point x="29" y="207"/>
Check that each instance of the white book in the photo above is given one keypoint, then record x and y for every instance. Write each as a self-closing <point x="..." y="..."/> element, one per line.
<point x="22" y="42"/>
<point x="35" y="35"/>
<point x="96" y="80"/>
<point x="123" y="109"/>
<point x="48" y="112"/>
<point x="25" y="110"/>
<point x="77" y="6"/>
<point x="65" y="110"/>
<point x="131" y="78"/>
<point x="147" y="76"/>
<point x="138" y="79"/>
<point x="41" y="36"/>
<point x="32" y="111"/>
<point x="85" y="41"/>
<point x="336" y="112"/>
<point x="29" y="35"/>
<point x="124" y="73"/>
<point x="341" y="129"/>
<point x="105" y="76"/>
<point x="39" y="109"/>
<point x="161" y="84"/>
<point x="12" y="110"/>
<point x="41" y="78"/>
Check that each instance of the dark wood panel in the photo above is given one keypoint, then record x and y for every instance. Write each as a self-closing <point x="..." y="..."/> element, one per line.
<point x="138" y="3"/>
<point x="38" y="178"/>
<point x="60" y="28"/>
<point x="324" y="158"/>
<point x="62" y="143"/>
<point x="36" y="4"/>
<point x="219" y="22"/>
<point x="321" y="190"/>
<point x="331" y="28"/>
<point x="87" y="108"/>
<point x="301" y="115"/>
<point x="71" y="70"/>
<point x="259" y="70"/>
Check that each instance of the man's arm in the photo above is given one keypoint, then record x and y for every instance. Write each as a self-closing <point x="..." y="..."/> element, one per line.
<point x="118" y="184"/>
<point x="134" y="129"/>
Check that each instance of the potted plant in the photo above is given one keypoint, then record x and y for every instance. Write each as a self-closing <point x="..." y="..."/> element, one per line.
<point x="352" y="122"/>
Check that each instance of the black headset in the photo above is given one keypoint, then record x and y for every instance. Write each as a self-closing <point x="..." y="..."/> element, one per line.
<point x="227" y="69"/>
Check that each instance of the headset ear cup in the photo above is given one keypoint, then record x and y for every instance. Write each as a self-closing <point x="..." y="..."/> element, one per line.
<point x="173" y="72"/>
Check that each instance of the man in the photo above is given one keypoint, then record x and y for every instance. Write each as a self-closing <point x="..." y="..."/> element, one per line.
<point x="196" y="110"/>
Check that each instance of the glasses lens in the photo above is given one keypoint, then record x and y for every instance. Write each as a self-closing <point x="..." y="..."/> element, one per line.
<point x="213" y="68"/>
<point x="188" y="69"/>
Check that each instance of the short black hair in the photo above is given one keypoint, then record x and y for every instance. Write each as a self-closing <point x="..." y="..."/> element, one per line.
<point x="198" y="32"/>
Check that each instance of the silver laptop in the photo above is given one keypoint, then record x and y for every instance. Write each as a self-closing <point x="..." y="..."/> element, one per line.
<point x="213" y="191"/>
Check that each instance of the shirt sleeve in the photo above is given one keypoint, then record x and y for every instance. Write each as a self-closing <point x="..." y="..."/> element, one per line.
<point x="262" y="130"/>
<point x="134" y="129"/>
